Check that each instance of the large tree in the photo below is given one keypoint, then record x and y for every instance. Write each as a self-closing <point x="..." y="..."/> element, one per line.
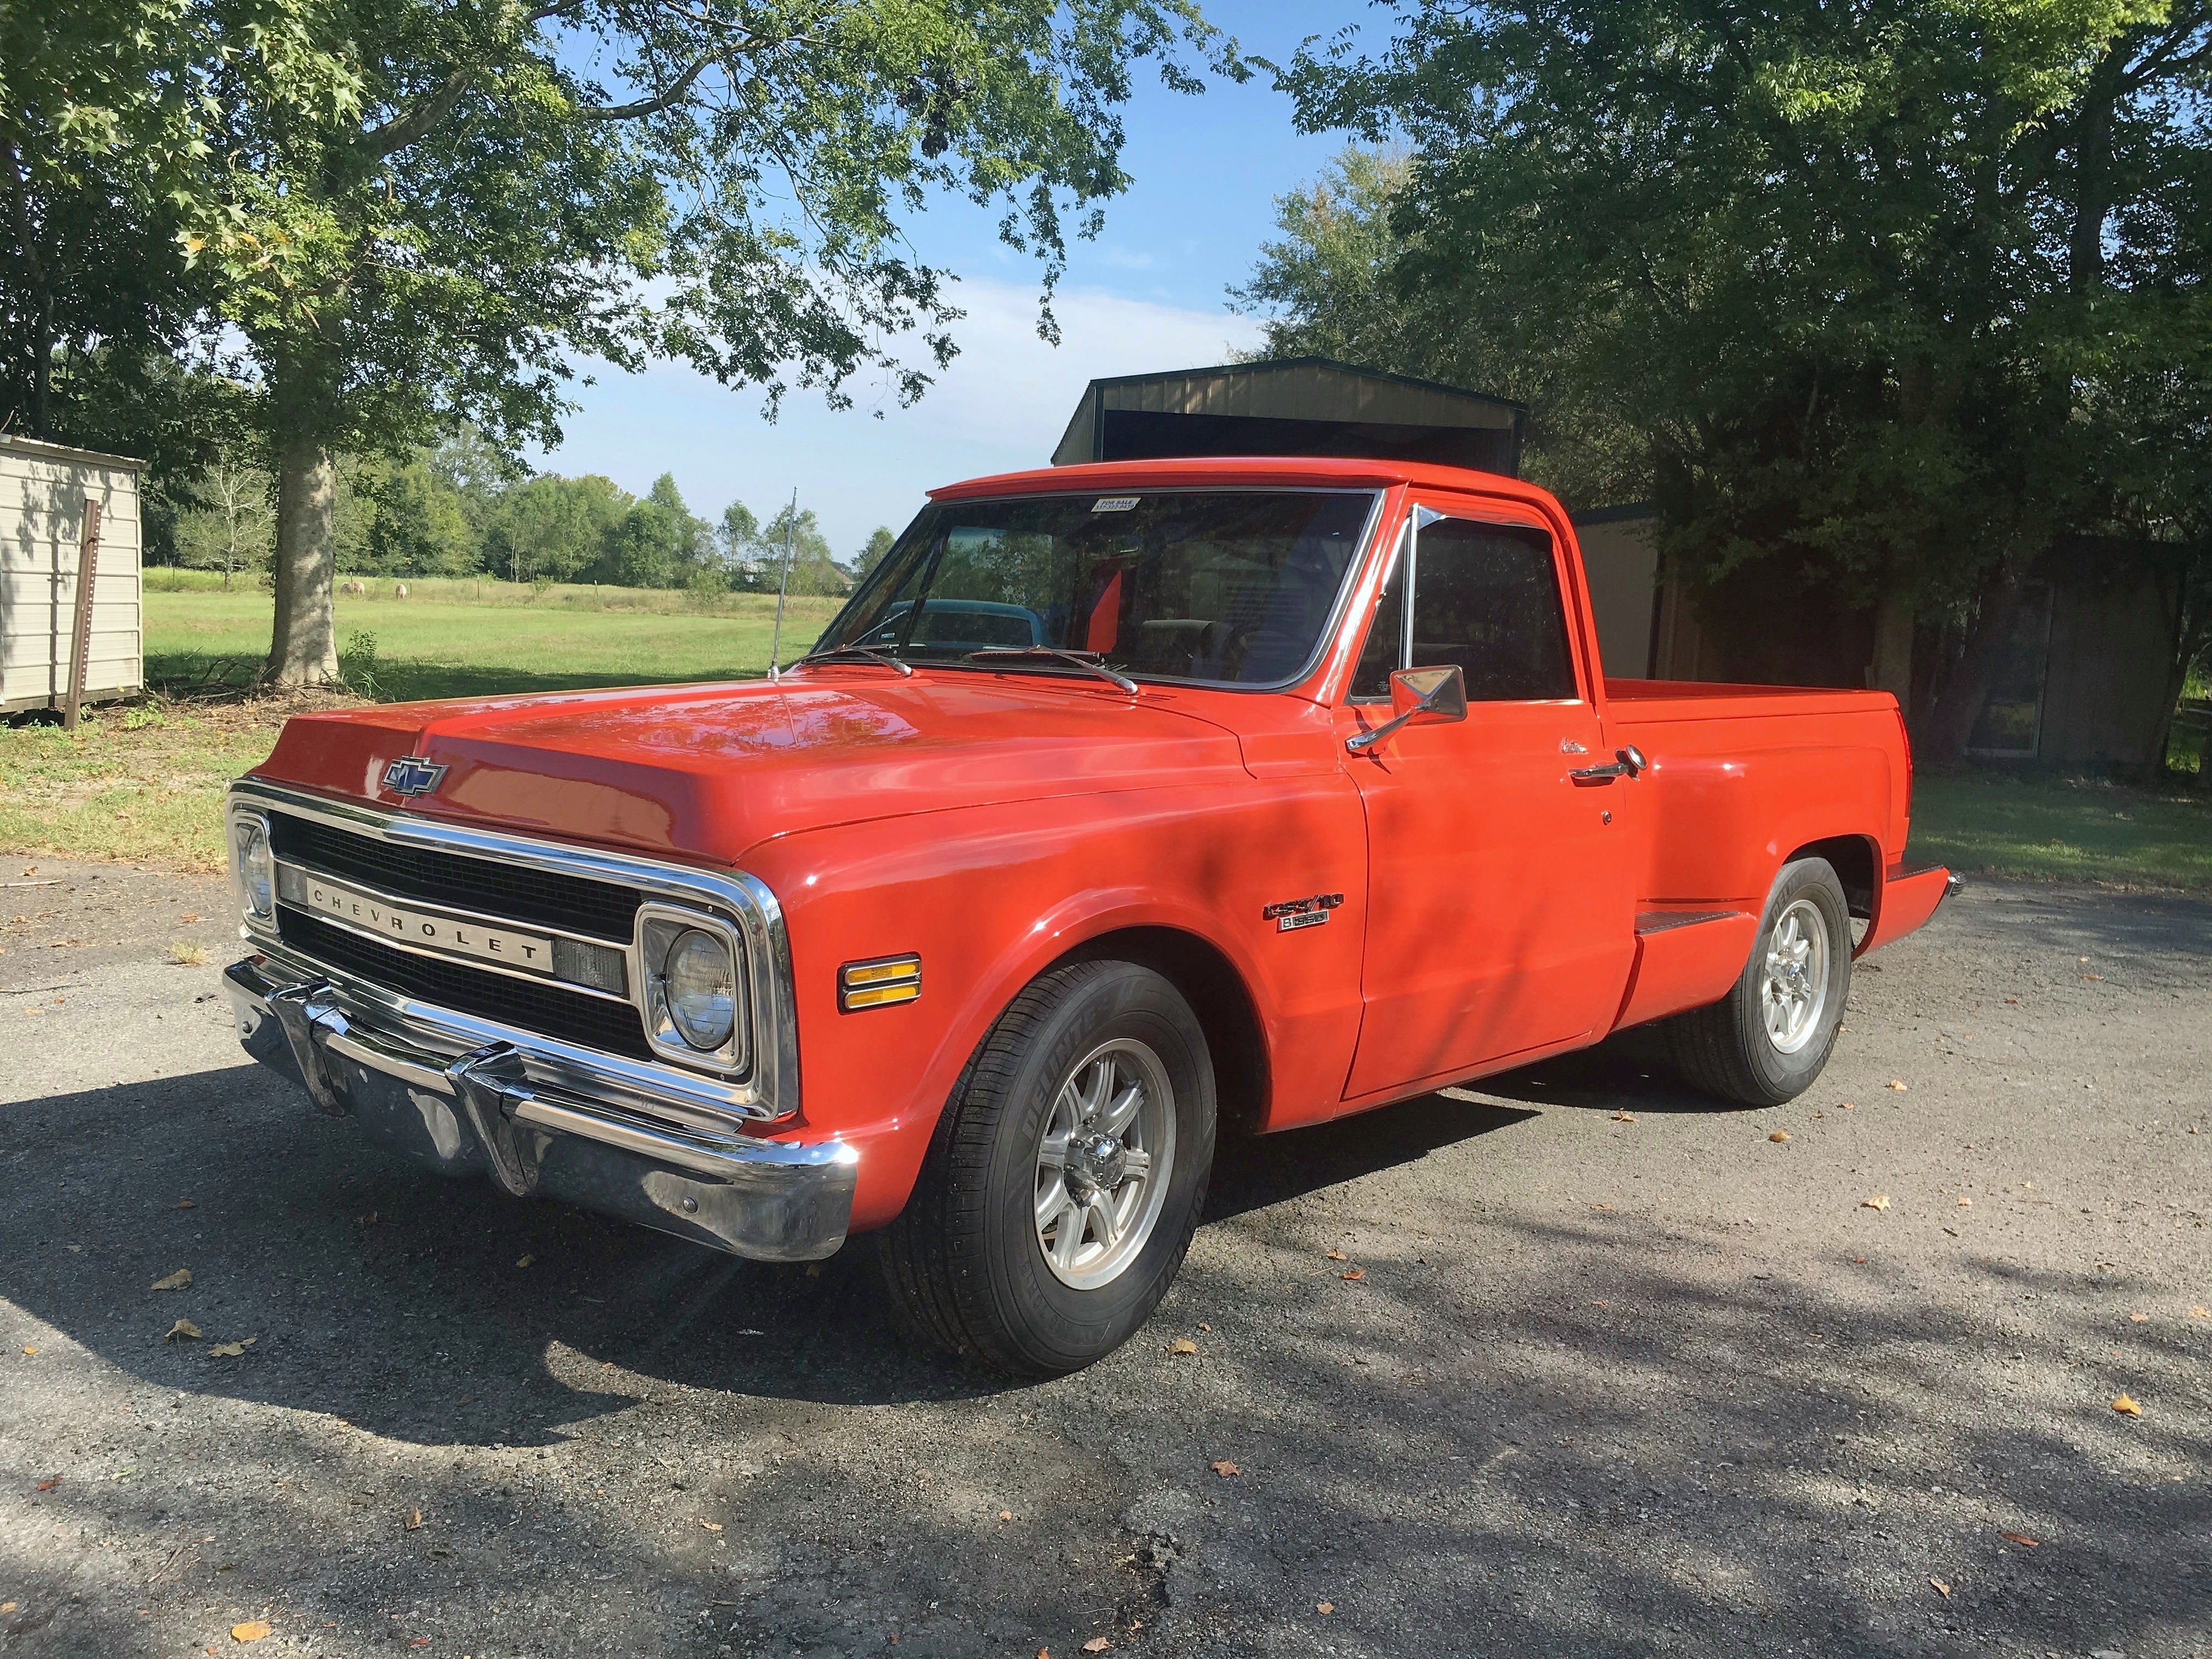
<point x="419" y="212"/>
<point x="1871" y="285"/>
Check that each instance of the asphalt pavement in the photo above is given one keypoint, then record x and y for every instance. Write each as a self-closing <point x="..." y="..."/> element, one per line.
<point x="1570" y="1362"/>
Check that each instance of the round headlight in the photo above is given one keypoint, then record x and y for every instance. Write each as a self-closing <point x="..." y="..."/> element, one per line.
<point x="257" y="869"/>
<point x="701" y="984"/>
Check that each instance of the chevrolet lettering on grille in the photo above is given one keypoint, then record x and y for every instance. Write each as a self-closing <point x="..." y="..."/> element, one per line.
<point x="421" y="930"/>
<point x="411" y="775"/>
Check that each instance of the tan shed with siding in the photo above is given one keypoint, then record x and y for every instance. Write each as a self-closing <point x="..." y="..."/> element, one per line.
<point x="43" y="490"/>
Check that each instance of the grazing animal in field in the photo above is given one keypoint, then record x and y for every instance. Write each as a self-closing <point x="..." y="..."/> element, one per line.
<point x="400" y="590"/>
<point x="360" y="588"/>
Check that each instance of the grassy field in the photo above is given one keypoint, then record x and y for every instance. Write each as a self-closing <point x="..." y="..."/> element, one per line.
<point x="463" y="639"/>
<point x="145" y="783"/>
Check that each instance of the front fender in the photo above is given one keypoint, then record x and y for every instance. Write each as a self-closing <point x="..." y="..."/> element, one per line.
<point x="989" y="897"/>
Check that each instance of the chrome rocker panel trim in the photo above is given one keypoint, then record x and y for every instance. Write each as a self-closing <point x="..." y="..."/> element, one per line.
<point x="495" y="1109"/>
<point x="768" y="1089"/>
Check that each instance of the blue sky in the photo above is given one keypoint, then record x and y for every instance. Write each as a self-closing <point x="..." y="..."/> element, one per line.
<point x="1148" y="294"/>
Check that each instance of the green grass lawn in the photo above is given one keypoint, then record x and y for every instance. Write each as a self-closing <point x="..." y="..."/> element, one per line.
<point x="467" y="639"/>
<point x="2063" y="829"/>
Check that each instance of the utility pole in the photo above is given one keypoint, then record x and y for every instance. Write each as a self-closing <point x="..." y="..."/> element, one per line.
<point x="783" y="586"/>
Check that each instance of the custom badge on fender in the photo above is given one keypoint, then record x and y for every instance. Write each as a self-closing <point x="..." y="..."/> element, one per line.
<point x="1291" y="914"/>
<point x="411" y="775"/>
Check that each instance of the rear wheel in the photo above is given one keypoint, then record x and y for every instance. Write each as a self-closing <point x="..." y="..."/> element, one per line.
<point x="1065" y="1178"/>
<point x="1769" y="1038"/>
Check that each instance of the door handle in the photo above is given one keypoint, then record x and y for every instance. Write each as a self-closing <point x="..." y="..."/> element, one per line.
<point x="1626" y="763"/>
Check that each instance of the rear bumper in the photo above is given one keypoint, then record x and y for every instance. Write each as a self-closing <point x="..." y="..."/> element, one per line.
<point x="503" y="1111"/>
<point x="1908" y="897"/>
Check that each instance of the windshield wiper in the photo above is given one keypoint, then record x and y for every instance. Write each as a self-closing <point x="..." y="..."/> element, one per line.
<point x="1088" y="662"/>
<point x="855" y="653"/>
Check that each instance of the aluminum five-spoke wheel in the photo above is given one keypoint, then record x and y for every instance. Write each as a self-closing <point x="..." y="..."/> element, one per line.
<point x="1103" y="1163"/>
<point x="1795" y="988"/>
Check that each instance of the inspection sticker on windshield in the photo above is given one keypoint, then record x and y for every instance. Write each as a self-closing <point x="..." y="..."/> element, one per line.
<point x="1114" y="503"/>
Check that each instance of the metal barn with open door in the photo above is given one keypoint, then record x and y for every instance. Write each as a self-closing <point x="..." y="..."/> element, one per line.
<point x="44" y="490"/>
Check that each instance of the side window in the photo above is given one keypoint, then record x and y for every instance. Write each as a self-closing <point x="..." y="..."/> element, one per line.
<point x="1487" y="597"/>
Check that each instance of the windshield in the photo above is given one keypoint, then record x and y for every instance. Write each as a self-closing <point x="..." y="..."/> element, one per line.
<point x="1231" y="587"/>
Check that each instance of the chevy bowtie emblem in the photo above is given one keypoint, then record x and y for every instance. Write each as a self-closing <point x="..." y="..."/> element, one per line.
<point x="412" y="776"/>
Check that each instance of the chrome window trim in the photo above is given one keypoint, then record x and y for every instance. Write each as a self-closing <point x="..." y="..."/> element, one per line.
<point x="400" y="943"/>
<point x="768" y="1090"/>
<point x="1377" y="494"/>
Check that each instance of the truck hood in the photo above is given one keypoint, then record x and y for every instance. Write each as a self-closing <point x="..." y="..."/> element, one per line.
<point x="705" y="772"/>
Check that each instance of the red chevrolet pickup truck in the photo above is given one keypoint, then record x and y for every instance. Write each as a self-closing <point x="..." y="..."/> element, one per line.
<point x="1119" y="802"/>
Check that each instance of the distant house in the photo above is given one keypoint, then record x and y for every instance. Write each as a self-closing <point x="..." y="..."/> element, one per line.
<point x="43" y="490"/>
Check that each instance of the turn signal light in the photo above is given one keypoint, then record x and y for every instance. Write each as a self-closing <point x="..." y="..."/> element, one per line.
<point x="877" y="983"/>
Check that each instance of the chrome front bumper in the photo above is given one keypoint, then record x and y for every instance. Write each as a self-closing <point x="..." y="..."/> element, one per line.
<point x="535" y="1125"/>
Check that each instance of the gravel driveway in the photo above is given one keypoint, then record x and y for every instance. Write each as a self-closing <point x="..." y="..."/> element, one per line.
<point x="1571" y="1363"/>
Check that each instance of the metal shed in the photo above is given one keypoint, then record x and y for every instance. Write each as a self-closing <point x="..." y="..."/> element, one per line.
<point x="44" y="490"/>
<point x="1292" y="406"/>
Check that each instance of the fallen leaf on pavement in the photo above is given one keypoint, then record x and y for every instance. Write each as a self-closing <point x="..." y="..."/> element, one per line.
<point x="1895" y="1083"/>
<point x="1779" y="1136"/>
<point x="233" y="1350"/>
<point x="1966" y="1203"/>
<point x="253" y="1631"/>
<point x="711" y="1526"/>
<point x="1096" y="1644"/>
<point x="1357" y="1273"/>
<point x="524" y="1261"/>
<point x="186" y="1204"/>
<point x="1006" y="1515"/>
<point x="1324" y="1607"/>
<point x="1941" y="1589"/>
<point x="48" y="1486"/>
<point x="414" y="1519"/>
<point x="1878" y="1201"/>
<point x="29" y="1350"/>
<point x="2022" y="1540"/>
<point x="183" y="1328"/>
<point x="368" y="1220"/>
<point x="2200" y="1311"/>
<point x="175" y="1281"/>
<point x="8" y="1606"/>
<point x="1846" y="1106"/>
<point x="2137" y="1319"/>
<point x="1336" y="1255"/>
<point x="1624" y="1117"/>
<point x="2126" y="1407"/>
<point x="1225" y="1468"/>
<point x="1182" y="1345"/>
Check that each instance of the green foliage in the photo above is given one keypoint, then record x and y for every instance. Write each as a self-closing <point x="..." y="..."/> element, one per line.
<point x="555" y="529"/>
<point x="357" y="663"/>
<point x="880" y="541"/>
<point x="813" y="571"/>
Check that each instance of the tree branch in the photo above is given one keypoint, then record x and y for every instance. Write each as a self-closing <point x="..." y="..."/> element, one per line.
<point x="404" y="130"/>
<point x="652" y="106"/>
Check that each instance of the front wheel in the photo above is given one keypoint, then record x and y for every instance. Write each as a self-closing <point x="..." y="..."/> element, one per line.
<point x="1766" y="1040"/>
<point x="1064" y="1180"/>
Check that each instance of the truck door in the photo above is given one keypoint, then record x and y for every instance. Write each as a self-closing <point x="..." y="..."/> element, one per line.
<point x="1500" y="908"/>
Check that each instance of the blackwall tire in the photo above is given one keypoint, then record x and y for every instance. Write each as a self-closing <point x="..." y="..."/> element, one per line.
<point x="1769" y="1038"/>
<point x="1088" y="1055"/>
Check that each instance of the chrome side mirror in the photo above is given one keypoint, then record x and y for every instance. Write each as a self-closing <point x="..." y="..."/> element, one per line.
<point x="1430" y="696"/>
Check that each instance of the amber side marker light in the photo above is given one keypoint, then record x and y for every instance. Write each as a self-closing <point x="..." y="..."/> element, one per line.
<point x="877" y="983"/>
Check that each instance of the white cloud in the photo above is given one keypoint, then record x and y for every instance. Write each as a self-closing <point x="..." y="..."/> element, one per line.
<point x="1001" y="406"/>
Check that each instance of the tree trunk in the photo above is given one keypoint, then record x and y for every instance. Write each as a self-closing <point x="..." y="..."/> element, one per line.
<point x="1892" y="648"/>
<point x="1958" y="704"/>
<point x="303" y="650"/>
